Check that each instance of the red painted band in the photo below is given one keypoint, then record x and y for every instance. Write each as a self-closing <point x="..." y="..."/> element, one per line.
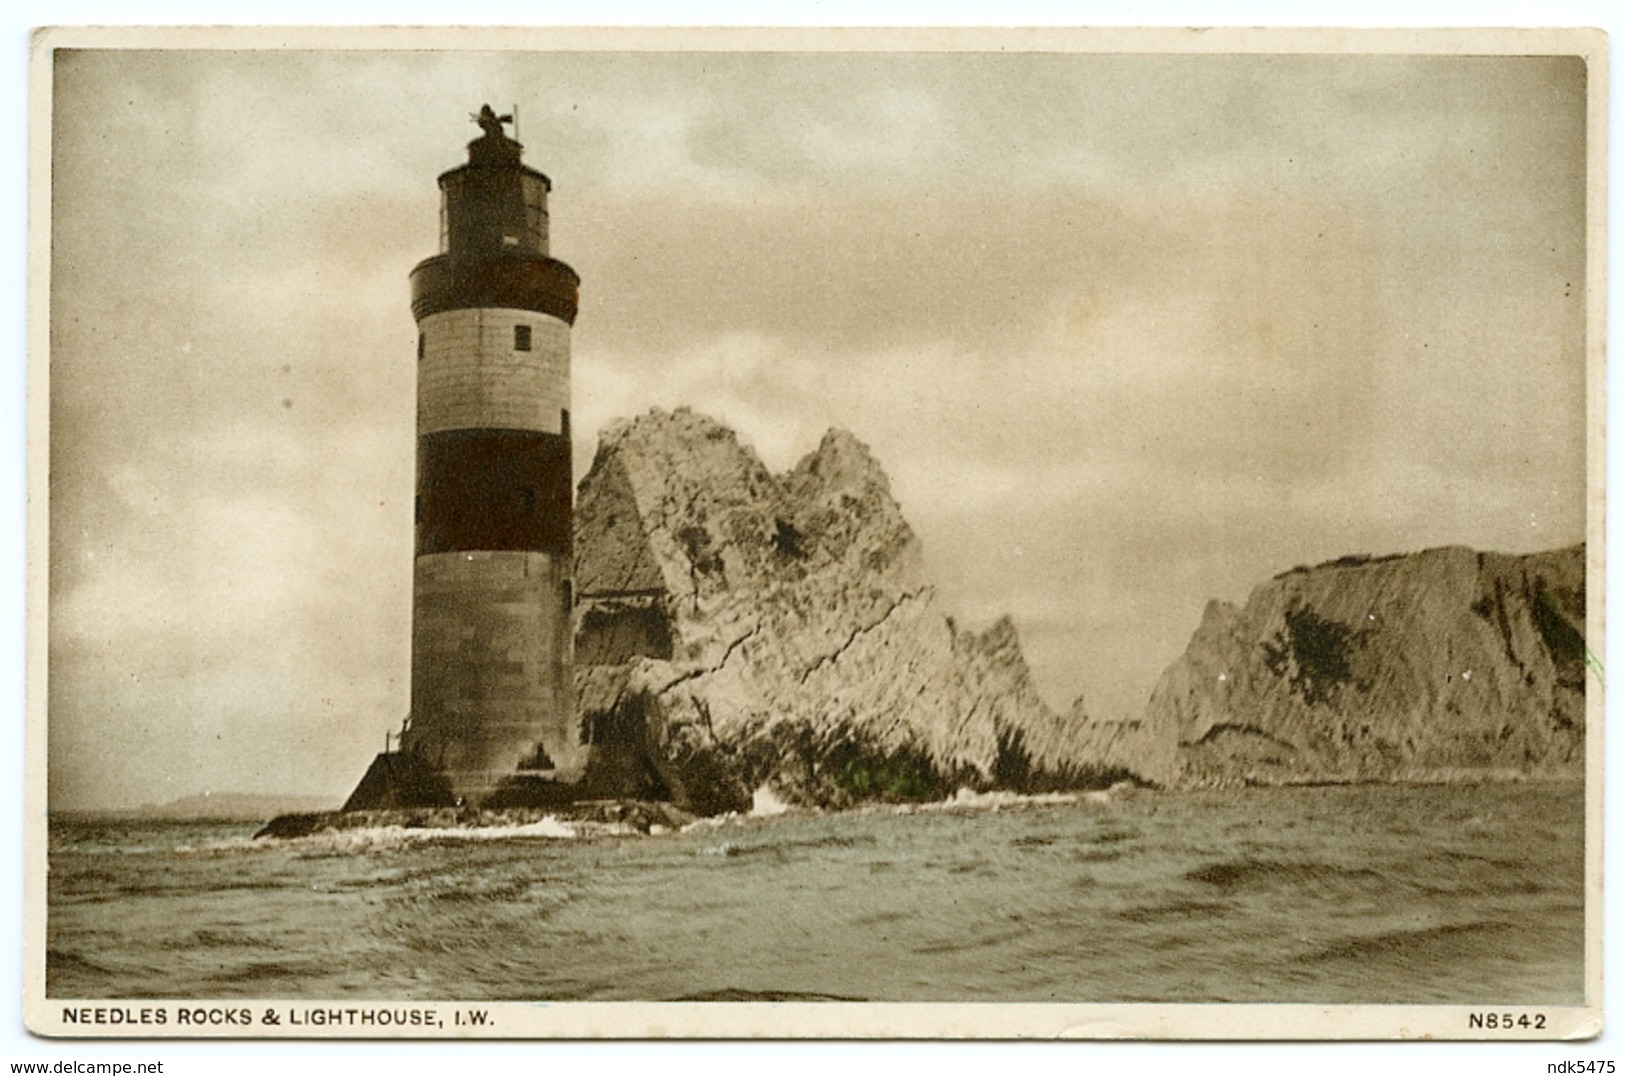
<point x="543" y="285"/>
<point x="494" y="490"/>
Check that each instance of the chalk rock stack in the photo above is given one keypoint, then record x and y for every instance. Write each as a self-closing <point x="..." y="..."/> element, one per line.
<point x="740" y="631"/>
<point x="1437" y="666"/>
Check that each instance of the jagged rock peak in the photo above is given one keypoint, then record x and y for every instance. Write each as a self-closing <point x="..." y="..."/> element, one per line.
<point x="841" y="465"/>
<point x="713" y="521"/>
<point x="682" y="422"/>
<point x="739" y="629"/>
<point x="842" y="462"/>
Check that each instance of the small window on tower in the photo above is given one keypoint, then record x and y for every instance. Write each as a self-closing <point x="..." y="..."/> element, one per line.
<point x="420" y="345"/>
<point x="521" y="337"/>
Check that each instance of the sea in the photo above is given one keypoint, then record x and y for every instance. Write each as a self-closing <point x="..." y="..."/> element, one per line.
<point x="1336" y="895"/>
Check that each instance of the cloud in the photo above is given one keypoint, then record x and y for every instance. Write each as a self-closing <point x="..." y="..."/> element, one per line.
<point x="1128" y="332"/>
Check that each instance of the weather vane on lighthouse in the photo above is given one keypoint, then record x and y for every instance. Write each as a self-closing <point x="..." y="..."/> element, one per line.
<point x="490" y="122"/>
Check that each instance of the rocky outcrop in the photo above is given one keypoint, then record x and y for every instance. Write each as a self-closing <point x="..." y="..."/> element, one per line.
<point x="1441" y="665"/>
<point x="739" y="630"/>
<point x="581" y="819"/>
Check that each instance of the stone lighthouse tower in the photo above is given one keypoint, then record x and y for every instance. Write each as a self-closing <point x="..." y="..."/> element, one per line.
<point x="493" y="715"/>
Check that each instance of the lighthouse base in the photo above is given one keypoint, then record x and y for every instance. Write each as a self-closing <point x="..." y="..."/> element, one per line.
<point x="397" y="779"/>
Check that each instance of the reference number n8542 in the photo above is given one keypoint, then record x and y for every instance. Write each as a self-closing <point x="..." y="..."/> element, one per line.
<point x="1506" y="1021"/>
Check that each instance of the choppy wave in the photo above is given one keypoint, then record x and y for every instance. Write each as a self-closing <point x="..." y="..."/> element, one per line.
<point x="384" y="838"/>
<point x="63" y="960"/>
<point x="766" y="804"/>
<point x="787" y="844"/>
<point x="1248" y="873"/>
<point x="1412" y="944"/>
<point x="1323" y="895"/>
<point x="736" y="994"/>
<point x="1174" y="911"/>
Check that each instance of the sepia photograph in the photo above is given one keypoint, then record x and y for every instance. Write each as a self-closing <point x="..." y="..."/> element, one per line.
<point x="908" y="533"/>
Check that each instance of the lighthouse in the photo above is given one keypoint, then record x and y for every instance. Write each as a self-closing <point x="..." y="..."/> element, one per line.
<point x="492" y="717"/>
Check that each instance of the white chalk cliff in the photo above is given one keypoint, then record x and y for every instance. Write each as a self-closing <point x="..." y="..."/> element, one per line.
<point x="739" y="630"/>
<point x="1443" y="665"/>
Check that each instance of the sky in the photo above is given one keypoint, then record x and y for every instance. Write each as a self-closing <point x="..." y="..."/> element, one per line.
<point x="1128" y="333"/>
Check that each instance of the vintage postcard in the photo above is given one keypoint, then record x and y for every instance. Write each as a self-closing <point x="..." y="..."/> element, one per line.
<point x="816" y="533"/>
